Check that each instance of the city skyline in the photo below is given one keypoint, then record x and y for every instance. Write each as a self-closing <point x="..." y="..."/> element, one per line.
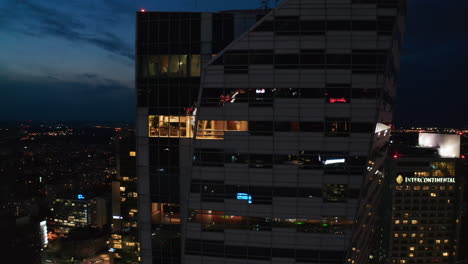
<point x="96" y="82"/>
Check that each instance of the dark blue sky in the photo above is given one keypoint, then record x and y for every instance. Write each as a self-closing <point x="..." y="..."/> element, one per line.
<point x="73" y="60"/>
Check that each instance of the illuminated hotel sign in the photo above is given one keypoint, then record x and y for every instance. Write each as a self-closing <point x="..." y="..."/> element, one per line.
<point x="400" y="180"/>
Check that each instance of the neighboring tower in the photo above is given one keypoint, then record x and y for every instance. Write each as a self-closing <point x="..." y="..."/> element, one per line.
<point x="424" y="200"/>
<point x="124" y="245"/>
<point x="299" y="107"/>
<point x="171" y="49"/>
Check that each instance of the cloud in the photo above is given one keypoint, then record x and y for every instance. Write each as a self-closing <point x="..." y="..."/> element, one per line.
<point x="39" y="21"/>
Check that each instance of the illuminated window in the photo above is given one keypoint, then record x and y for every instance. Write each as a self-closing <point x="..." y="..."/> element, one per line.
<point x="395" y="235"/>
<point x="182" y="126"/>
<point x="402" y="261"/>
<point x="405" y="222"/>
<point x="445" y="254"/>
<point x="411" y="248"/>
<point x="171" y="126"/>
<point x="414" y="222"/>
<point x="421" y="174"/>
<point x="214" y="129"/>
<point x="413" y="235"/>
<point x="195" y="66"/>
<point x="433" y="194"/>
<point x="132" y="154"/>
<point x="443" y="169"/>
<point x="437" y="241"/>
<point x="446" y="241"/>
<point x="421" y="241"/>
<point x="425" y="188"/>
<point x="397" y="222"/>
<point x="417" y="188"/>
<point x="167" y="65"/>
<point x="411" y="255"/>
<point x="122" y="188"/>
<point x="404" y="235"/>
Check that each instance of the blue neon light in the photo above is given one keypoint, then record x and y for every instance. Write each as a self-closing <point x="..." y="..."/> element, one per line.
<point x="80" y="197"/>
<point x="244" y="196"/>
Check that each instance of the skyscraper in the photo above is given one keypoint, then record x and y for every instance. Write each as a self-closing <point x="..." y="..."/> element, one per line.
<point x="124" y="246"/>
<point x="261" y="137"/>
<point x="423" y="200"/>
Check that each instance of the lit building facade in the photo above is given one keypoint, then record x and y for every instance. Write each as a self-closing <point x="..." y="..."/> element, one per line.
<point x="124" y="245"/>
<point x="423" y="202"/>
<point x="261" y="137"/>
<point x="80" y="211"/>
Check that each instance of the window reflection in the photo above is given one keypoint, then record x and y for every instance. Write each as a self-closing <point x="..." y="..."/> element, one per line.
<point x="218" y="221"/>
<point x="165" y="213"/>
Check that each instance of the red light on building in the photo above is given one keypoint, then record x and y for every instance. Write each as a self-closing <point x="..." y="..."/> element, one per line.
<point x="463" y="156"/>
<point x="460" y="133"/>
<point x="395" y="156"/>
<point x="338" y="100"/>
<point x="142" y="10"/>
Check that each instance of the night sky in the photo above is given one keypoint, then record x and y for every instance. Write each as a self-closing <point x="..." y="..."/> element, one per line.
<point x="74" y="59"/>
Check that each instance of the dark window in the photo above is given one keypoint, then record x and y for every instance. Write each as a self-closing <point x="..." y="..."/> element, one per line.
<point x="311" y="126"/>
<point x="366" y="59"/>
<point x="265" y="26"/>
<point x="289" y="59"/>
<point x="236" y="59"/>
<point x="364" y="93"/>
<point x="286" y="25"/>
<point x="339" y="25"/>
<point x="262" y="58"/>
<point x="334" y="193"/>
<point x="364" y="25"/>
<point x="337" y="127"/>
<point x="338" y="59"/>
<point x="312" y="92"/>
<point x="283" y="253"/>
<point x="312" y="26"/>
<point x="312" y="59"/>
<point x="362" y="127"/>
<point x="236" y="251"/>
<point x="261" y="161"/>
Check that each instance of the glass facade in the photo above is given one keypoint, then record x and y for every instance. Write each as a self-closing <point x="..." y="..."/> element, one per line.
<point x="170" y="54"/>
<point x="289" y="107"/>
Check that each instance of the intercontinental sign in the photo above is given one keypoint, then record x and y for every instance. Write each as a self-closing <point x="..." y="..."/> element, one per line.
<point x="400" y="179"/>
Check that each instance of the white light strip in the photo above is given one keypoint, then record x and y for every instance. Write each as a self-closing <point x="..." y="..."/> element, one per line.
<point x="333" y="161"/>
